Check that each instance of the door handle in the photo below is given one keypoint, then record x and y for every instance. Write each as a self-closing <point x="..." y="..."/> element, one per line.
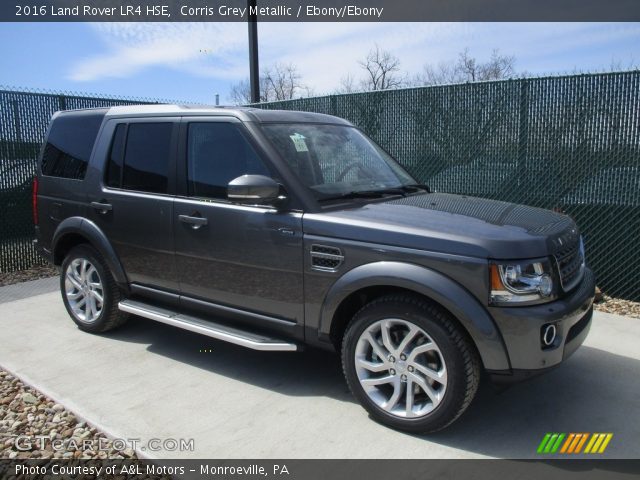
<point x="102" y="207"/>
<point x="195" y="222"/>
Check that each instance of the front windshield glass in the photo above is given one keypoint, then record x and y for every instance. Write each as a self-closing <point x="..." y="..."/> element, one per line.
<point x="335" y="160"/>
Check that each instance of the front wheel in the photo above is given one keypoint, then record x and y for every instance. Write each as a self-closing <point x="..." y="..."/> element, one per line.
<point x="409" y="364"/>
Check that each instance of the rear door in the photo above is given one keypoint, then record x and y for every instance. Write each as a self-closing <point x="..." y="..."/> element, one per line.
<point x="134" y="204"/>
<point x="234" y="259"/>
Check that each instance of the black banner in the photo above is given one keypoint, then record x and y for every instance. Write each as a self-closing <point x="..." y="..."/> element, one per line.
<point x="318" y="10"/>
<point x="322" y="469"/>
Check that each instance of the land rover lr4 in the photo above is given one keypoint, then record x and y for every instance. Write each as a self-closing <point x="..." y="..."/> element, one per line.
<point x="275" y="230"/>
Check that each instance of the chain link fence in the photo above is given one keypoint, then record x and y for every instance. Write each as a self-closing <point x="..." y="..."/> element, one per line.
<point x="568" y="143"/>
<point x="24" y="117"/>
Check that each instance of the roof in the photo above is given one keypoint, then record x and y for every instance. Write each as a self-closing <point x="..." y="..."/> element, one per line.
<point x="247" y="114"/>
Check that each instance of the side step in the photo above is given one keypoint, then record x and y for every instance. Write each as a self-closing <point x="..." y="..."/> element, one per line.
<point x="206" y="327"/>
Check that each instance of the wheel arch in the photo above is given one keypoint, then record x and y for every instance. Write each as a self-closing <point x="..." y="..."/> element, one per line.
<point x="74" y="231"/>
<point x="366" y="282"/>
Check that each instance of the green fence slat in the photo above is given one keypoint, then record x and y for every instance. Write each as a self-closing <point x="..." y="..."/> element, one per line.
<point x="569" y="143"/>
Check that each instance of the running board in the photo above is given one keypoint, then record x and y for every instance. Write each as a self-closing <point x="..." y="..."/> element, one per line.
<point x="206" y="327"/>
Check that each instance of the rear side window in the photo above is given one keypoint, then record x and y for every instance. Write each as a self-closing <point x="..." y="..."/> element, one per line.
<point x="69" y="144"/>
<point x="116" y="157"/>
<point x="139" y="157"/>
<point x="217" y="153"/>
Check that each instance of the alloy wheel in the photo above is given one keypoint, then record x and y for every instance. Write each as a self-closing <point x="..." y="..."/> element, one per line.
<point x="401" y="368"/>
<point x="84" y="290"/>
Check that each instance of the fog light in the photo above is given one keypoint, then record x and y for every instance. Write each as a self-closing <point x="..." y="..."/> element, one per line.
<point x="549" y="334"/>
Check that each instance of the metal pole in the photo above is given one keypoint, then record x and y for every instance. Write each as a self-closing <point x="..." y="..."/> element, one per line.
<point x="254" y="70"/>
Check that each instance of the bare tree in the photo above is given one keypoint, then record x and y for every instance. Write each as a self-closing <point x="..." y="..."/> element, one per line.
<point x="441" y="74"/>
<point x="382" y="70"/>
<point x="283" y="81"/>
<point x="467" y="66"/>
<point x="618" y="65"/>
<point x="498" y="67"/>
<point x="347" y="85"/>
<point x="468" y="69"/>
<point x="240" y="93"/>
<point x="279" y="81"/>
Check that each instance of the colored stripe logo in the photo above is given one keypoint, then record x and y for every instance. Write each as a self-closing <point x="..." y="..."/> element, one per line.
<point x="574" y="443"/>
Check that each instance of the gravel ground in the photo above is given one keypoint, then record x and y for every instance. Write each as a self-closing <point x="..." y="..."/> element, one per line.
<point x="34" y="273"/>
<point x="619" y="307"/>
<point x="27" y="414"/>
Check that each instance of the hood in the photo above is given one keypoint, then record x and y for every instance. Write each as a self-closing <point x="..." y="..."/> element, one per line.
<point x="454" y="224"/>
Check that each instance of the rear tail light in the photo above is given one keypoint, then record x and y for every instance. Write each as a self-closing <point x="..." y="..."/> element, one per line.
<point x="34" y="200"/>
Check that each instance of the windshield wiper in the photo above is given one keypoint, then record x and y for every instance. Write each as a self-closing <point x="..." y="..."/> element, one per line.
<point x="402" y="190"/>
<point x="365" y="194"/>
<point x="412" y="187"/>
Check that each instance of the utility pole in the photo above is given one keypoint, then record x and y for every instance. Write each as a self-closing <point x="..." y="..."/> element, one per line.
<point x="254" y="70"/>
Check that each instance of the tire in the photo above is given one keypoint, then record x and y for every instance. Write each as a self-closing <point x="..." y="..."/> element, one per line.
<point x="436" y="345"/>
<point x="96" y="282"/>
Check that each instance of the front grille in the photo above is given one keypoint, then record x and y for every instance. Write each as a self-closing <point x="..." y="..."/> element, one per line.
<point x="570" y="265"/>
<point x="325" y="258"/>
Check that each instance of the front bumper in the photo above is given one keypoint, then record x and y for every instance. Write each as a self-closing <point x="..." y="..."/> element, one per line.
<point x="521" y="331"/>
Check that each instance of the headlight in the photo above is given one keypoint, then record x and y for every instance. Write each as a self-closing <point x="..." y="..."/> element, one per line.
<point x="529" y="281"/>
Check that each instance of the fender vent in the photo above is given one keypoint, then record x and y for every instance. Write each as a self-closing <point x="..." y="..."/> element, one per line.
<point x="326" y="259"/>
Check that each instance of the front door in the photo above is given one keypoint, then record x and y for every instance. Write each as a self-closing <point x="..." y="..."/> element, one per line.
<point x="241" y="260"/>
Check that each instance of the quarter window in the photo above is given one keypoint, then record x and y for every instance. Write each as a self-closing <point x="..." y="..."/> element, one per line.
<point x="217" y="153"/>
<point x="69" y="144"/>
<point x="58" y="163"/>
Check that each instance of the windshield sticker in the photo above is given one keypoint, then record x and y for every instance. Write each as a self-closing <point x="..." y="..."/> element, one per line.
<point x="299" y="143"/>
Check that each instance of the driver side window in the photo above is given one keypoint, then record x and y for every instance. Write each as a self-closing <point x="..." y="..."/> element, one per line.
<point x="218" y="152"/>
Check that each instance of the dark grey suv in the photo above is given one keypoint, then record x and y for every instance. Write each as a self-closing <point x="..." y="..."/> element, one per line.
<point x="276" y="230"/>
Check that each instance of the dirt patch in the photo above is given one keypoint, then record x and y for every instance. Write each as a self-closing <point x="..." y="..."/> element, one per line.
<point x="33" y="273"/>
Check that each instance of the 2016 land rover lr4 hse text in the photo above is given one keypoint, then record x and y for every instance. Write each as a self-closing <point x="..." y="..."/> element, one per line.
<point x="274" y="230"/>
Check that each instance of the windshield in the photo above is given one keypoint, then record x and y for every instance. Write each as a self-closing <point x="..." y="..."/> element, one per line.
<point x="336" y="160"/>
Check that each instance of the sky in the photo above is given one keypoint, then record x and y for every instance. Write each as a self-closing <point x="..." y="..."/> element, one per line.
<point x="192" y="62"/>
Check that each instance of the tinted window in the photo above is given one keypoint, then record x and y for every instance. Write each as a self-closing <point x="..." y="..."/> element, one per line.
<point x="70" y="142"/>
<point x="146" y="158"/>
<point x="57" y="163"/>
<point x="116" y="155"/>
<point x="217" y="153"/>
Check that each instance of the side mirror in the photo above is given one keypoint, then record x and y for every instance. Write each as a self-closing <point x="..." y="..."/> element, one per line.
<point x="253" y="190"/>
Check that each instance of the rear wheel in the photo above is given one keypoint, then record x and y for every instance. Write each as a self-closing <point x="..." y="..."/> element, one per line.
<point x="89" y="291"/>
<point x="409" y="364"/>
